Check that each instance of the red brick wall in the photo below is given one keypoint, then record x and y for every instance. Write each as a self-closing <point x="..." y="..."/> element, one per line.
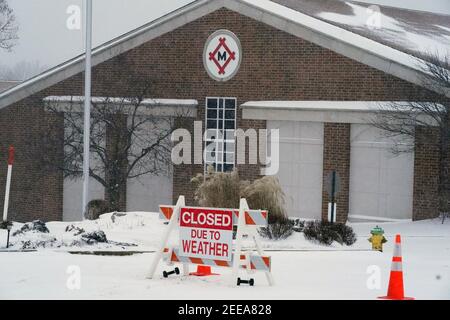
<point x="336" y="156"/>
<point x="426" y="175"/>
<point x="275" y="66"/>
<point x="32" y="194"/>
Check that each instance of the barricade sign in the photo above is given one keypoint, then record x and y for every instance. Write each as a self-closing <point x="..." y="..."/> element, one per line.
<point x="206" y="233"/>
<point x="252" y="217"/>
<point x="206" y="238"/>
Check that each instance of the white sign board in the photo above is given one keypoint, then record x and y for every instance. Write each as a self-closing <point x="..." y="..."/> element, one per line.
<point x="332" y="218"/>
<point x="206" y="233"/>
<point x="222" y="55"/>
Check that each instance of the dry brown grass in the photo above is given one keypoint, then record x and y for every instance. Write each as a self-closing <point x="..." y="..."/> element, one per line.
<point x="266" y="194"/>
<point x="224" y="190"/>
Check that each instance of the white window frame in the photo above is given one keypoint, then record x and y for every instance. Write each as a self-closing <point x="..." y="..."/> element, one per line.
<point x="220" y="143"/>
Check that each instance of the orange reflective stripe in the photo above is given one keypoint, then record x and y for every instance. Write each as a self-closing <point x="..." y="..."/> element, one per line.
<point x="397" y="259"/>
<point x="196" y="260"/>
<point x="174" y="257"/>
<point x="221" y="263"/>
<point x="266" y="261"/>
<point x="166" y="211"/>
<point x="248" y="219"/>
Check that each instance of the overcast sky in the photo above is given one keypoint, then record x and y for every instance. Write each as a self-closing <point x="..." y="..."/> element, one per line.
<point x="45" y="37"/>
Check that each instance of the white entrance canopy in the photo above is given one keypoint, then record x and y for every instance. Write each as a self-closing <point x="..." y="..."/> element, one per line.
<point x="322" y="111"/>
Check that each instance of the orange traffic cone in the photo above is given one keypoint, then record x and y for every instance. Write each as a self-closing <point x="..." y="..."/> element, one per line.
<point x="203" y="271"/>
<point x="396" y="290"/>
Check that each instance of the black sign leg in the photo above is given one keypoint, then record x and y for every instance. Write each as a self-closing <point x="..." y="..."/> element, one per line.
<point x="7" y="239"/>
<point x="333" y="191"/>
<point x="333" y="186"/>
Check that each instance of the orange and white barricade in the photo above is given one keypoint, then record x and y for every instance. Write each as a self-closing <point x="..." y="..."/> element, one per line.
<point x="247" y="222"/>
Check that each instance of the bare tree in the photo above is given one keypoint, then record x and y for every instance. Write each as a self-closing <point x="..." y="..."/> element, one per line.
<point x="130" y="138"/>
<point x="430" y="116"/>
<point x="8" y="26"/>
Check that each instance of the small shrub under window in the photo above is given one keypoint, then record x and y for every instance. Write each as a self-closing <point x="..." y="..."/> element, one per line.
<point x="280" y="229"/>
<point x="326" y="233"/>
<point x="299" y="225"/>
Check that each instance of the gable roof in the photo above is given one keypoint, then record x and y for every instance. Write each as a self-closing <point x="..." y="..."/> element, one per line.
<point x="324" y="34"/>
<point x="415" y="32"/>
<point x="6" y="84"/>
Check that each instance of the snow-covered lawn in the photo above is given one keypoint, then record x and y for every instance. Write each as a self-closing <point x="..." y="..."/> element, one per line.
<point x="311" y="272"/>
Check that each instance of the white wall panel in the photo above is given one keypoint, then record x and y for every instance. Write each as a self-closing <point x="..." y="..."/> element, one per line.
<point x="381" y="183"/>
<point x="301" y="159"/>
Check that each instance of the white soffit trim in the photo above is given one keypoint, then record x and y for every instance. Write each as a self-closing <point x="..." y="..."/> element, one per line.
<point x="319" y="111"/>
<point x="125" y="101"/>
<point x="158" y="107"/>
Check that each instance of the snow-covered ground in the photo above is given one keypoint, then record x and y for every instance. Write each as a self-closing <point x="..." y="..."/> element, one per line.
<point x="310" y="272"/>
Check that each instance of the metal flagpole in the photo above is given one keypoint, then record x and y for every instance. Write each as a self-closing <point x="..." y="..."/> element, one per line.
<point x="87" y="106"/>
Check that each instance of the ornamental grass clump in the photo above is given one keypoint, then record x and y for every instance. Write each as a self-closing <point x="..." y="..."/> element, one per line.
<point x="218" y="190"/>
<point x="224" y="190"/>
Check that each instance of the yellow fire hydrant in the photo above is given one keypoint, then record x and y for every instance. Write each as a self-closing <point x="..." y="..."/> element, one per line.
<point x="377" y="239"/>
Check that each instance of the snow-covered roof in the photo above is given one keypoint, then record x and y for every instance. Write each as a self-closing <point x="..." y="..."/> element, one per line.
<point x="415" y="32"/>
<point x="289" y="19"/>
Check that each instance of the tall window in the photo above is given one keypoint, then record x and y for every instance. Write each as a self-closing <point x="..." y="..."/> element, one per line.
<point x="220" y="129"/>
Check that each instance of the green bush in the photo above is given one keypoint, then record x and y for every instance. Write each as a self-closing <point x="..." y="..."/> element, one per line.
<point x="281" y="228"/>
<point x="326" y="233"/>
<point x="299" y="225"/>
<point x="345" y="232"/>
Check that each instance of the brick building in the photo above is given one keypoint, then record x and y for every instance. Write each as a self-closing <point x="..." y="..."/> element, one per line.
<point x="315" y="81"/>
